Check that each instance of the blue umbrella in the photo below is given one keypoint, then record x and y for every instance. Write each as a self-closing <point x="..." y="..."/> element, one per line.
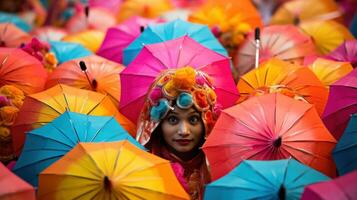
<point x="345" y="152"/>
<point x="171" y="30"/>
<point x="353" y="26"/>
<point x="49" y="143"/>
<point x="275" y="179"/>
<point x="14" y="19"/>
<point x="66" y="51"/>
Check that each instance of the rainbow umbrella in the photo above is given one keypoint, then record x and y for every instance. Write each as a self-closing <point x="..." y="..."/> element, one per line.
<point x="14" y="19"/>
<point x="66" y="51"/>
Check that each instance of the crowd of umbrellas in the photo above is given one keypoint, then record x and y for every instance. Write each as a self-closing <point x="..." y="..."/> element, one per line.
<point x="74" y="76"/>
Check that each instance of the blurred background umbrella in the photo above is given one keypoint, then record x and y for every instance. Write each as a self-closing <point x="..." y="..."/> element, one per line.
<point x="16" y="20"/>
<point x="47" y="144"/>
<point x="111" y="5"/>
<point x="346" y="52"/>
<point x="344" y="154"/>
<point x="269" y="127"/>
<point x="90" y="39"/>
<point x="11" y="36"/>
<point x="12" y="187"/>
<point x="41" y="108"/>
<point x="173" y="54"/>
<point x="341" y="188"/>
<point x="66" y="51"/>
<point x="113" y="170"/>
<point x="279" y="179"/>
<point x="172" y="30"/>
<point x="342" y="102"/>
<point x="49" y="33"/>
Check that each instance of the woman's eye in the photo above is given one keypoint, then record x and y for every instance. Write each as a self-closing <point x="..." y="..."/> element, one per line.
<point x="172" y="119"/>
<point x="194" y="119"/>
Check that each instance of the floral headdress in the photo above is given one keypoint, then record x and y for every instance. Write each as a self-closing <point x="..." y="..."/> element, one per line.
<point x="184" y="87"/>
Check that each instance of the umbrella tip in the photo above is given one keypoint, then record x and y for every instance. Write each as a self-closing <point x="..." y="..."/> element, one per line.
<point x="83" y="66"/>
<point x="257" y="33"/>
<point x="277" y="142"/>
<point x="296" y="20"/>
<point x="282" y="192"/>
<point x="142" y="28"/>
<point x="94" y="84"/>
<point x="107" y="183"/>
<point x="86" y="11"/>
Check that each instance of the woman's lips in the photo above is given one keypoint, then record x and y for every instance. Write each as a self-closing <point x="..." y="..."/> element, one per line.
<point x="183" y="142"/>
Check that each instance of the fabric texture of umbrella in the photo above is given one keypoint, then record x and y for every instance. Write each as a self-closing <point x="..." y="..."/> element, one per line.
<point x="14" y="19"/>
<point x="346" y="52"/>
<point x="47" y="144"/>
<point x="90" y="39"/>
<point x="276" y="76"/>
<point x="19" y="68"/>
<point x="12" y="187"/>
<point x="11" y="36"/>
<point x="102" y="73"/>
<point x="342" y="102"/>
<point x="181" y="52"/>
<point x="344" y="153"/>
<point x="49" y="33"/>
<point x="285" y="42"/>
<point x="112" y="170"/>
<point x="66" y="51"/>
<point x="269" y="127"/>
<point x="341" y="188"/>
<point x="41" y="108"/>
<point x="278" y="179"/>
<point x="119" y="37"/>
<point x="172" y="30"/>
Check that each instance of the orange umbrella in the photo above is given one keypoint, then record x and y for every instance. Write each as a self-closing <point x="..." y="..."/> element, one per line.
<point x="41" y="108"/>
<point x="90" y="39"/>
<point x="103" y="76"/>
<point x="269" y="127"/>
<point x="13" y="187"/>
<point x="276" y="76"/>
<point x="21" y="70"/>
<point x="112" y="170"/>
<point x="11" y="36"/>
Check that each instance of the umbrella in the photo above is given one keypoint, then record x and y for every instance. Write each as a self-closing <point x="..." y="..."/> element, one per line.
<point x="269" y="127"/>
<point x="276" y="76"/>
<point x="47" y="144"/>
<point x="329" y="71"/>
<point x="180" y="52"/>
<point x="278" y="179"/>
<point x="41" y="108"/>
<point x="112" y="170"/>
<point x="12" y="187"/>
<point x="11" y="36"/>
<point x="14" y="19"/>
<point x="119" y="37"/>
<point x="341" y="188"/>
<point x="90" y="39"/>
<point x="172" y="30"/>
<point x="143" y="8"/>
<point x="344" y="153"/>
<point x="66" y="51"/>
<point x="353" y="26"/>
<point x="111" y="5"/>
<point x="49" y="33"/>
<point x="103" y="76"/>
<point x="346" y="52"/>
<point x="327" y="35"/>
<point x="285" y="42"/>
<point x="19" y="68"/>
<point x="342" y="102"/>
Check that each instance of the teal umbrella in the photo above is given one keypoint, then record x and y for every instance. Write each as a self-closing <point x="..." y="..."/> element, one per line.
<point x="277" y="179"/>
<point x="49" y="143"/>
<point x="157" y="33"/>
<point x="14" y="19"/>
<point x="66" y="51"/>
<point x="345" y="152"/>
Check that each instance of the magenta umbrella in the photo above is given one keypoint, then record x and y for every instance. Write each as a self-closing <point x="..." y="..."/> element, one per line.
<point x="155" y="58"/>
<point x="346" y="52"/>
<point x="342" y="102"/>
<point x="341" y="188"/>
<point x="119" y="37"/>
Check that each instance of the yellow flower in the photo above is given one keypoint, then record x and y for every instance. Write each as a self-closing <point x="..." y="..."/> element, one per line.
<point x="211" y="95"/>
<point x="170" y="89"/>
<point x="184" y="78"/>
<point x="17" y="102"/>
<point x="50" y="61"/>
<point x="8" y="115"/>
<point x="4" y="132"/>
<point x="12" y="92"/>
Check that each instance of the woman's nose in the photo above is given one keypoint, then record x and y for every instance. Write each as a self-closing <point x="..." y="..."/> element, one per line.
<point x="184" y="128"/>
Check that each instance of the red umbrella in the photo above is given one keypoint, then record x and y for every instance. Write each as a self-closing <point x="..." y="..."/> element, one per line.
<point x="11" y="36"/>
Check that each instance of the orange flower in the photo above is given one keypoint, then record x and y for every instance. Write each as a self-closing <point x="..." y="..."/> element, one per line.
<point x="211" y="95"/>
<point x="200" y="99"/>
<point x="12" y="92"/>
<point x="4" y="133"/>
<point x="184" y="78"/>
<point x="170" y="89"/>
<point x="50" y="61"/>
<point x="8" y="115"/>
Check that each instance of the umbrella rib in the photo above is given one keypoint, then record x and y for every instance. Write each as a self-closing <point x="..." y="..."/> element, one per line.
<point x="73" y="128"/>
<point x="99" y="130"/>
<point x="294" y="123"/>
<point x="261" y="175"/>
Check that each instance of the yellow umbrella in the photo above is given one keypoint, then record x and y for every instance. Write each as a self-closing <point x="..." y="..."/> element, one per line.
<point x="91" y="39"/>
<point x="113" y="170"/>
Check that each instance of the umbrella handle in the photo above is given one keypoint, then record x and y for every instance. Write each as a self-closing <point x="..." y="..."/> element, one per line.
<point x="257" y="46"/>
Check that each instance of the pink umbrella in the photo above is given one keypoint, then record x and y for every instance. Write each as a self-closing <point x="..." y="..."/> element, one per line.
<point x="119" y="37"/>
<point x="111" y="5"/>
<point x="155" y="58"/>
<point x="341" y="188"/>
<point x="346" y="52"/>
<point x="342" y="102"/>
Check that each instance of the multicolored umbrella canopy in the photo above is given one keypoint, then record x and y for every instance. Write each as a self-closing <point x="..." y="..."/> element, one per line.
<point x="66" y="51"/>
<point x="346" y="52"/>
<point x="278" y="179"/>
<point x="171" y="30"/>
<point x="342" y="102"/>
<point x="90" y="39"/>
<point x="269" y="127"/>
<point x="345" y="152"/>
<point x="276" y="76"/>
<point x="341" y="188"/>
<point x="285" y="42"/>
<point x="11" y="36"/>
<point x="19" y="68"/>
<point x="173" y="54"/>
<point x="16" y="20"/>
<point x="47" y="144"/>
<point x="12" y="187"/>
<point x="49" y="33"/>
<point x="41" y="108"/>
<point x="119" y="37"/>
<point x="111" y="170"/>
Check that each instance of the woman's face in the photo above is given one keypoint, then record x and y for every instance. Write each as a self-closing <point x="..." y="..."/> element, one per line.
<point x="183" y="130"/>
